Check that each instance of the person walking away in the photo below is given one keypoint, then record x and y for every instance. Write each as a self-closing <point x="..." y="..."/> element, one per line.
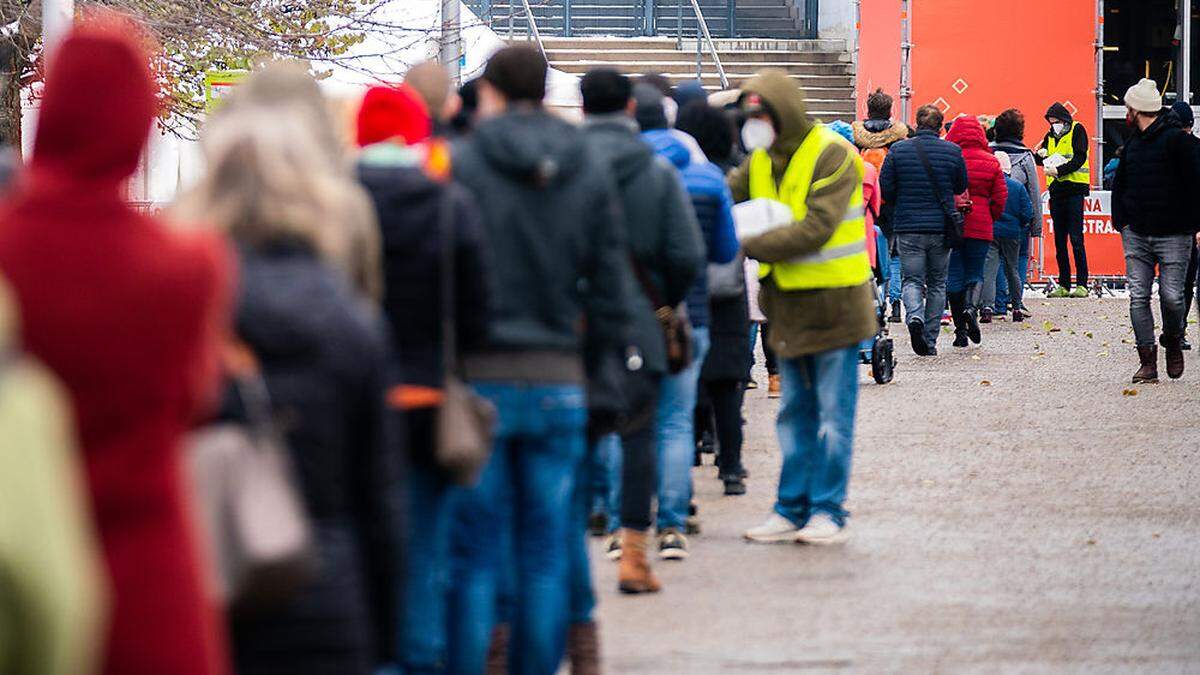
<point x="1007" y="233"/>
<point x="988" y="193"/>
<point x="560" y="262"/>
<point x="419" y="213"/>
<point x="54" y="592"/>
<point x="1068" y="176"/>
<point x="712" y="206"/>
<point x="137" y="358"/>
<point x="1009" y="131"/>
<point x="874" y="138"/>
<point x="816" y="263"/>
<point x="1153" y="210"/>
<point x="726" y="368"/>
<point x="322" y="356"/>
<point x="920" y="200"/>
<point x="665" y="244"/>
<point x="1187" y="122"/>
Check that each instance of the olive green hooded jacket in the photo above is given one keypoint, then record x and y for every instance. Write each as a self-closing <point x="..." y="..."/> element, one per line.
<point x="810" y="321"/>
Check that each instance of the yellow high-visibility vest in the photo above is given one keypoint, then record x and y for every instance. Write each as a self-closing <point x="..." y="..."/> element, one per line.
<point x="842" y="261"/>
<point x="1062" y="146"/>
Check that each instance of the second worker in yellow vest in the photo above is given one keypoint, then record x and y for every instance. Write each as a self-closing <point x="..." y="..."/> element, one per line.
<point x="817" y="293"/>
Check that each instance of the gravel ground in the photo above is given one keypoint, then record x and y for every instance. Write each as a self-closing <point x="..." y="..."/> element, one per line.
<point x="1016" y="508"/>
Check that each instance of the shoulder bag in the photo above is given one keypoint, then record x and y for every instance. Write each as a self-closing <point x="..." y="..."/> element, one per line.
<point x="677" y="331"/>
<point x="954" y="219"/>
<point x="466" y="421"/>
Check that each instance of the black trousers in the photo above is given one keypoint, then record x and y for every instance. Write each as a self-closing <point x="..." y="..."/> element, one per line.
<point x="768" y="353"/>
<point x="719" y="410"/>
<point x="1067" y="212"/>
<point x="639" y="453"/>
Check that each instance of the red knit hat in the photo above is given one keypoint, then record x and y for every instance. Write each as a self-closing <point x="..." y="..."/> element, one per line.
<point x="393" y="112"/>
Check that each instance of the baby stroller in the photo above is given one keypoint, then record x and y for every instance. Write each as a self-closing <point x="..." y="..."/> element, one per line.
<point x="878" y="352"/>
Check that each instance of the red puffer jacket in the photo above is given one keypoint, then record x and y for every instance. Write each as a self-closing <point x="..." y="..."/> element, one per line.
<point x="986" y="180"/>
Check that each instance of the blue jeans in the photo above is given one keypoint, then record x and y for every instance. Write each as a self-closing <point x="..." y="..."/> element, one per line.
<point x="923" y="265"/>
<point x="676" y="436"/>
<point x="816" y="434"/>
<point x="966" y="264"/>
<point x="582" y="598"/>
<point x="524" y="496"/>
<point x="894" y="287"/>
<point x="426" y="582"/>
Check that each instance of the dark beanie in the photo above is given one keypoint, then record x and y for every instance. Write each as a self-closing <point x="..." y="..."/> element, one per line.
<point x="650" y="111"/>
<point x="1184" y="112"/>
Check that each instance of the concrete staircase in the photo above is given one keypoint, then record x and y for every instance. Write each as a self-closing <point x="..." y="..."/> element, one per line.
<point x="778" y="19"/>
<point x="822" y="67"/>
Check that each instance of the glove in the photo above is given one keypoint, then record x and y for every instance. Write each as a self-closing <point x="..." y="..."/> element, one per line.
<point x="1051" y="170"/>
<point x="1042" y="153"/>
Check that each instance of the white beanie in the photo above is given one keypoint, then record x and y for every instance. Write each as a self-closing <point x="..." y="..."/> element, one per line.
<point x="1144" y="96"/>
<point x="1005" y="162"/>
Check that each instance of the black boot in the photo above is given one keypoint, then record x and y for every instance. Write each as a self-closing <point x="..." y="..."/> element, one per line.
<point x="958" y="312"/>
<point x="895" y="315"/>
<point x="974" y="293"/>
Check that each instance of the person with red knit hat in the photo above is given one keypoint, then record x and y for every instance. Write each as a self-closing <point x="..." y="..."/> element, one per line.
<point x="126" y="312"/>
<point x="420" y="211"/>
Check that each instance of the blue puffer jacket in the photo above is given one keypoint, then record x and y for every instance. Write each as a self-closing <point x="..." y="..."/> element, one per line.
<point x="1018" y="213"/>
<point x="713" y="204"/>
<point x="906" y="184"/>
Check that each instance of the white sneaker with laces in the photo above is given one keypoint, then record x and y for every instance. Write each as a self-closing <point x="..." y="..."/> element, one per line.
<point x="775" y="529"/>
<point x="821" y="529"/>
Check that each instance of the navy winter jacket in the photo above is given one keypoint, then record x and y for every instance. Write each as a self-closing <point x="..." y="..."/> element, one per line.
<point x="906" y="184"/>
<point x="713" y="205"/>
<point x="1018" y="213"/>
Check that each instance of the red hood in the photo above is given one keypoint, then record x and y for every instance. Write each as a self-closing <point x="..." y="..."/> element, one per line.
<point x="98" y="106"/>
<point x="967" y="132"/>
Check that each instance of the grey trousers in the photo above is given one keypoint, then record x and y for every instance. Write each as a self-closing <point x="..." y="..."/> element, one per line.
<point x="1170" y="254"/>
<point x="1008" y="252"/>
<point x="924" y="261"/>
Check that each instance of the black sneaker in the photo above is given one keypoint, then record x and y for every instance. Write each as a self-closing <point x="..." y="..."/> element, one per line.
<point x="734" y="487"/>
<point x="894" y="317"/>
<point x="692" y="523"/>
<point x="916" y="332"/>
<point x="598" y="523"/>
<point x="672" y="545"/>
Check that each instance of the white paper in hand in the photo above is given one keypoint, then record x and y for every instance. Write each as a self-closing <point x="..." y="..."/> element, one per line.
<point x="758" y="216"/>
<point x="1055" y="161"/>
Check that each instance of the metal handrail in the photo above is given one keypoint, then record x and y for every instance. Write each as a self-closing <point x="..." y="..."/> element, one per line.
<point x="712" y="46"/>
<point x="533" y="27"/>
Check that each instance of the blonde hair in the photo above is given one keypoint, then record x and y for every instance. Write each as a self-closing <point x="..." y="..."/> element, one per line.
<point x="268" y="179"/>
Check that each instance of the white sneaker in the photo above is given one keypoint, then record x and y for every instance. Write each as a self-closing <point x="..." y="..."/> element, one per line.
<point x="822" y="530"/>
<point x="774" y="530"/>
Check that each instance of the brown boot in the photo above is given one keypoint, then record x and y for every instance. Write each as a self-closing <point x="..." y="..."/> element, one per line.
<point x="774" y="387"/>
<point x="1148" y="373"/>
<point x="583" y="648"/>
<point x="1174" y="349"/>
<point x="635" y="575"/>
<point x="497" y="656"/>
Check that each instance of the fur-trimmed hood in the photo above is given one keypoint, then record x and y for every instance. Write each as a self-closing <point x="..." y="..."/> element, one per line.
<point x="867" y="140"/>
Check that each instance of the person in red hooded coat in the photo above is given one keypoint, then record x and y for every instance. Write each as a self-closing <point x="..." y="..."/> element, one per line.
<point x="126" y="313"/>
<point x="988" y="193"/>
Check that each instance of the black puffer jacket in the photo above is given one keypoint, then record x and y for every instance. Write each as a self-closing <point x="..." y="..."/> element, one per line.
<point x="1154" y="189"/>
<point x="323" y="358"/>
<point x="906" y="185"/>
<point x="550" y="221"/>
<point x="661" y="226"/>
<point x="409" y="207"/>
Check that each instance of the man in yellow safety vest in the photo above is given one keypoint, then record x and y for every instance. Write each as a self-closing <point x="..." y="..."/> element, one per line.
<point x="1063" y="154"/>
<point x="816" y="293"/>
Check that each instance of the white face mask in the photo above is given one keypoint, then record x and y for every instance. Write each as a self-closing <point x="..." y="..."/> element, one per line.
<point x="757" y="134"/>
<point x="1058" y="128"/>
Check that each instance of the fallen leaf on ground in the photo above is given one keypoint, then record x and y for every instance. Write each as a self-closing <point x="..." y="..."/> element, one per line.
<point x="1091" y="542"/>
<point x="1129" y="392"/>
<point x="1104" y="353"/>
<point x="985" y="383"/>
<point x="1126" y="341"/>
<point x="976" y="357"/>
<point x="1088" y="335"/>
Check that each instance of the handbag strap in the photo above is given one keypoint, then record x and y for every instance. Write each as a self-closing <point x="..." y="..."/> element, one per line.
<point x="647" y="284"/>
<point x="947" y="209"/>
<point x="446" y="235"/>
